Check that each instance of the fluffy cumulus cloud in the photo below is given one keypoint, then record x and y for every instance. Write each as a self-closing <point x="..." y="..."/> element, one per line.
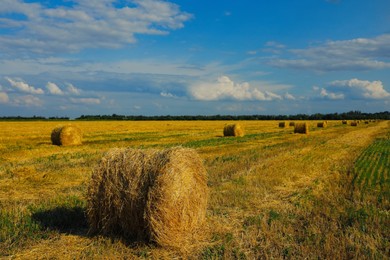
<point x="331" y="95"/>
<point x="4" y="98"/>
<point x="54" y="89"/>
<point x="72" y="90"/>
<point x="354" y="54"/>
<point x="28" y="101"/>
<point x="225" y="88"/>
<point x="289" y="96"/>
<point x="361" y="88"/>
<point x="83" y="24"/>
<point x="24" y="87"/>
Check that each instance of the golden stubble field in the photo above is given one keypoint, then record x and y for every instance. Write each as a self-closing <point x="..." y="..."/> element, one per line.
<point x="273" y="194"/>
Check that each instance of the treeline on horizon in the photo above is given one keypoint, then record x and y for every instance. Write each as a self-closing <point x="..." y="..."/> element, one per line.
<point x="352" y="115"/>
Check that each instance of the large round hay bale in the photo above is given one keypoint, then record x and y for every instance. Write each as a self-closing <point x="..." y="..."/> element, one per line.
<point x="233" y="130"/>
<point x="66" y="135"/>
<point x="301" y="128"/>
<point x="345" y="122"/>
<point x="157" y="196"/>
<point x="282" y="124"/>
<point x="354" y="123"/>
<point x="322" y="124"/>
<point x="291" y="124"/>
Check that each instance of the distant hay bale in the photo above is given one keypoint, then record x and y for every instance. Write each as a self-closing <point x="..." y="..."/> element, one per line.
<point x="322" y="124"/>
<point x="282" y="124"/>
<point x="345" y="122"/>
<point x="233" y="130"/>
<point x="301" y="128"/>
<point x="66" y="135"/>
<point x="291" y="124"/>
<point x="156" y="196"/>
<point x="366" y="122"/>
<point x="354" y="123"/>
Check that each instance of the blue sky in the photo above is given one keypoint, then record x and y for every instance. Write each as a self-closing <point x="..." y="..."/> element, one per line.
<point x="181" y="57"/>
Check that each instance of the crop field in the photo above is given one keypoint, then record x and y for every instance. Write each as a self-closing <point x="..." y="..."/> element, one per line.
<point x="372" y="170"/>
<point x="272" y="193"/>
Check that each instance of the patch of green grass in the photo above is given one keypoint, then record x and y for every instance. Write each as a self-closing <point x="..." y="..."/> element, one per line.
<point x="16" y="227"/>
<point x="253" y="221"/>
<point x="372" y="168"/>
<point x="24" y="224"/>
<point x="272" y="216"/>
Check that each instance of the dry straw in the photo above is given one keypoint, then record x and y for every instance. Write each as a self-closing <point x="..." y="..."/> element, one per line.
<point x="66" y="135"/>
<point x="322" y="124"/>
<point x="291" y="124"/>
<point x="151" y="195"/>
<point x="233" y="130"/>
<point x="301" y="128"/>
<point x="282" y="124"/>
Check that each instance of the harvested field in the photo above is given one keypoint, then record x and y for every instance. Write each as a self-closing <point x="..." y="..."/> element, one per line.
<point x="272" y="193"/>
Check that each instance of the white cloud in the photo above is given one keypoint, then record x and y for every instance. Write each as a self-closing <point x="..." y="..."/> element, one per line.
<point x="4" y="97"/>
<point x="353" y="89"/>
<point x="225" y="88"/>
<point x="167" y="95"/>
<point x="54" y="89"/>
<point x="354" y="54"/>
<point x="86" y="101"/>
<point x="85" y="24"/>
<point x="72" y="89"/>
<point x="289" y="96"/>
<point x="362" y="88"/>
<point x="272" y="96"/>
<point x="24" y="87"/>
<point x="274" y="44"/>
<point x="269" y="47"/>
<point x="64" y="68"/>
<point x="28" y="101"/>
<point x="330" y="95"/>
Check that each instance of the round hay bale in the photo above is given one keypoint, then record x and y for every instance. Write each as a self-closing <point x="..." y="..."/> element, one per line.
<point x="282" y="124"/>
<point x="233" y="130"/>
<point x="354" y="123"/>
<point x="291" y="124"/>
<point x="66" y="135"/>
<point x="301" y="128"/>
<point x="322" y="124"/>
<point x="157" y="196"/>
<point x="345" y="122"/>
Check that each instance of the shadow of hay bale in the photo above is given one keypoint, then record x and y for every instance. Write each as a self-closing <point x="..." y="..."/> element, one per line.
<point x="63" y="219"/>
